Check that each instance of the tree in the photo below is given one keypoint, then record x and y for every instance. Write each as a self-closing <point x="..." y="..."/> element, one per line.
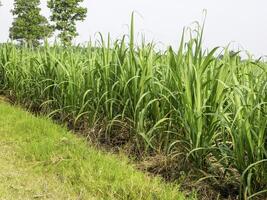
<point x="29" y="26"/>
<point x="65" y="14"/>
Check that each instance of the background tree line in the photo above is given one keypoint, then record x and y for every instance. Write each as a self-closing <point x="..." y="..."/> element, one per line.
<point x="30" y="27"/>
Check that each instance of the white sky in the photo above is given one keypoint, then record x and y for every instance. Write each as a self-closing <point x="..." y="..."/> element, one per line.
<point x="243" y="22"/>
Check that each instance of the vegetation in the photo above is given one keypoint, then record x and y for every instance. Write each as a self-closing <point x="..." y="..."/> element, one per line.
<point x="209" y="109"/>
<point x="59" y="165"/>
<point x="64" y="15"/>
<point x="29" y="26"/>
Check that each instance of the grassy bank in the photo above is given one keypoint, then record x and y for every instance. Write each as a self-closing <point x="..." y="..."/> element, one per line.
<point x="192" y="104"/>
<point x="39" y="159"/>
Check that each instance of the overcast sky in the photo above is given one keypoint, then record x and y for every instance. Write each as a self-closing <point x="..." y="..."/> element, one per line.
<point x="243" y="22"/>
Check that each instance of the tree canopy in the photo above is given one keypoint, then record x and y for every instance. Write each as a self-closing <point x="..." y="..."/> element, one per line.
<point x="65" y="14"/>
<point x="29" y="26"/>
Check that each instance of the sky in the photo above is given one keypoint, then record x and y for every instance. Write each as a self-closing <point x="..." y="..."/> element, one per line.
<point x="242" y="23"/>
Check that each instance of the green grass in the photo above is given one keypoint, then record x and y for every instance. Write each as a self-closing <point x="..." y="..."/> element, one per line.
<point x="39" y="159"/>
<point x="207" y="107"/>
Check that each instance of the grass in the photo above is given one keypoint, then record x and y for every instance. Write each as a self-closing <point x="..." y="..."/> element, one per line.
<point x="41" y="160"/>
<point x="205" y="107"/>
<point x="19" y="181"/>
